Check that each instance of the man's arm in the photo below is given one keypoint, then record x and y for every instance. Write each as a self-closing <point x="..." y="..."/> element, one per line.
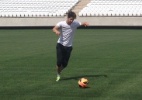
<point x="85" y="24"/>
<point x="56" y="30"/>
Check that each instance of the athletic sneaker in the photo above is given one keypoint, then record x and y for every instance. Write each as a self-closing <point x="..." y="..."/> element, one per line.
<point x="58" y="78"/>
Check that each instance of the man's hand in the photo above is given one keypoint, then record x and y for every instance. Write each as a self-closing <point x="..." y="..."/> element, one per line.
<point x="85" y="24"/>
<point x="57" y="33"/>
<point x="56" y="30"/>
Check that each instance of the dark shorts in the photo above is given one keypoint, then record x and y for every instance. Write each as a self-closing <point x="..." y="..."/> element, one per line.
<point x="63" y="55"/>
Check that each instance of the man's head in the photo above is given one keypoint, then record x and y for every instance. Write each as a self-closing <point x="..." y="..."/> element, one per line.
<point x="70" y="17"/>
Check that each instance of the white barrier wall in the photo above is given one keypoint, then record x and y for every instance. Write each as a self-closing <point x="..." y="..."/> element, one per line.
<point x="93" y="21"/>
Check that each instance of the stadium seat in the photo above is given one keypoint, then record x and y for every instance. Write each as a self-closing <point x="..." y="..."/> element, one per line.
<point x="36" y="8"/>
<point x="112" y="8"/>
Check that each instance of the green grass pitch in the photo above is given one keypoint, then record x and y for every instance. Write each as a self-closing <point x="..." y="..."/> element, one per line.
<point x="111" y="59"/>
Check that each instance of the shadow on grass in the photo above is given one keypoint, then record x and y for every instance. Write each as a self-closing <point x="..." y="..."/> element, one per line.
<point x="78" y="77"/>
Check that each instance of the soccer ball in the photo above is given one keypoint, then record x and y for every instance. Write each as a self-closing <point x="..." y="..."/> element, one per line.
<point x="83" y="82"/>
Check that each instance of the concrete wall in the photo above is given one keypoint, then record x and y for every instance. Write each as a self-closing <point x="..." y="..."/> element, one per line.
<point x="93" y="21"/>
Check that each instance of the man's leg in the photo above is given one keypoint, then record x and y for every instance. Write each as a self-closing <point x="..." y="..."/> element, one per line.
<point x="59" y="66"/>
<point x="65" y="59"/>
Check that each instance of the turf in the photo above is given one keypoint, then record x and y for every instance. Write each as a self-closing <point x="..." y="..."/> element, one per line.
<point x="111" y="59"/>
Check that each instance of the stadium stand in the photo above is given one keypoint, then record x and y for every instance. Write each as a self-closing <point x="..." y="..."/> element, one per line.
<point x="45" y="13"/>
<point x="35" y="8"/>
<point x="115" y="8"/>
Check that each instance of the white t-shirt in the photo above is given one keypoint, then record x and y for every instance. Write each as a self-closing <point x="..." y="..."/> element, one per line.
<point x="67" y="32"/>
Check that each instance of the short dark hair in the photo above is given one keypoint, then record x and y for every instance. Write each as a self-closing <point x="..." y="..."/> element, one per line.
<point x="71" y="14"/>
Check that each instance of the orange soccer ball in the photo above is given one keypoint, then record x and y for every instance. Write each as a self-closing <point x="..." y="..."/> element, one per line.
<point x="83" y="82"/>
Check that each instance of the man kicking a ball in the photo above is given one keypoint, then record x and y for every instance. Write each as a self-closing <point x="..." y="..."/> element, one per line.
<point x="65" y="30"/>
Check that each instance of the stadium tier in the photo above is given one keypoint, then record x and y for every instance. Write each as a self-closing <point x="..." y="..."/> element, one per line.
<point x="35" y="8"/>
<point x="112" y="8"/>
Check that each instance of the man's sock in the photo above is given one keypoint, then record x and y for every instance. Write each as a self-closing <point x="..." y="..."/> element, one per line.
<point x="58" y="77"/>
